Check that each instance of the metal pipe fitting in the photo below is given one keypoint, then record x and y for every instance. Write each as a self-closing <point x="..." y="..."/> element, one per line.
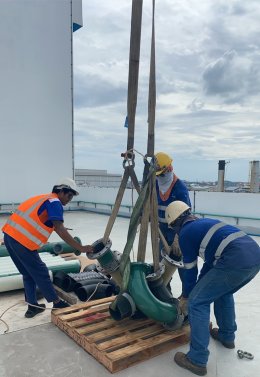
<point x="170" y="266"/>
<point x="145" y="300"/>
<point x="123" y="307"/>
<point x="108" y="259"/>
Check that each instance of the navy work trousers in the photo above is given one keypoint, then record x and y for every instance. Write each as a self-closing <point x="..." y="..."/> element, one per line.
<point x="216" y="286"/>
<point x="33" y="269"/>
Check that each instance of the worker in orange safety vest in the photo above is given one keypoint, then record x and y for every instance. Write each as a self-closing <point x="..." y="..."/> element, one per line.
<point x="28" y="229"/>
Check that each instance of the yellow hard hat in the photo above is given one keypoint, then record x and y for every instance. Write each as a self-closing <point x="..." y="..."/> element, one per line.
<point x="162" y="161"/>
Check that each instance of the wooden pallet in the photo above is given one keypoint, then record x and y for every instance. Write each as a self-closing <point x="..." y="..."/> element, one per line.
<point x="116" y="344"/>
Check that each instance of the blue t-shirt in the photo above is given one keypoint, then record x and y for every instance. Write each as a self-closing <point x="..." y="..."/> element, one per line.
<point x="54" y="210"/>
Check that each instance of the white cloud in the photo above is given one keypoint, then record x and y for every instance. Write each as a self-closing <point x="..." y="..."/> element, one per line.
<point x="208" y="79"/>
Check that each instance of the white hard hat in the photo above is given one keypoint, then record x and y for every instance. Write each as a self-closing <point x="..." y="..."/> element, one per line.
<point x="175" y="210"/>
<point x="67" y="183"/>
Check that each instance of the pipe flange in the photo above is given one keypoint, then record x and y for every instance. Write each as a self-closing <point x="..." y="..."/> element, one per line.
<point x="157" y="274"/>
<point x="101" y="269"/>
<point x="174" y="262"/>
<point x="99" y="249"/>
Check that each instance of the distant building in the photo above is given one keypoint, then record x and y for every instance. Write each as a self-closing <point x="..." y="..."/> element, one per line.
<point x="97" y="178"/>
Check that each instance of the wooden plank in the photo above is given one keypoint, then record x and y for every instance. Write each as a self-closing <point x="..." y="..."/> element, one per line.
<point x="128" y="337"/>
<point x="106" y="322"/>
<point x="116" y="344"/>
<point x="70" y="297"/>
<point x="116" y="330"/>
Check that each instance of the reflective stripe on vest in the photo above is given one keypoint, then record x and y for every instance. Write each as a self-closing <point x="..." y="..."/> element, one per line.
<point x="33" y="223"/>
<point x="25" y="232"/>
<point x="207" y="238"/>
<point x="190" y="265"/>
<point x="24" y="228"/>
<point x="162" y="219"/>
<point x="223" y="243"/>
<point x="162" y="208"/>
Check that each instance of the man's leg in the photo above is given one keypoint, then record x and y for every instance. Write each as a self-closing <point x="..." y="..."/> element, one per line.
<point x="224" y="307"/>
<point x="210" y="288"/>
<point x="34" y="271"/>
<point x="14" y="249"/>
<point x="213" y="286"/>
<point x="224" y="310"/>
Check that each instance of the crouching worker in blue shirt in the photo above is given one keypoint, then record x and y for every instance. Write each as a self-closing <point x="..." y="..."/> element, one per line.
<point x="231" y="259"/>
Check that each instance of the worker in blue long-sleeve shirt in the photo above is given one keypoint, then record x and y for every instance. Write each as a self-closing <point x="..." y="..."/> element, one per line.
<point x="231" y="259"/>
<point x="168" y="188"/>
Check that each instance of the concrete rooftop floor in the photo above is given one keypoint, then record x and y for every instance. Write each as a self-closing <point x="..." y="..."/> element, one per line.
<point x="36" y="347"/>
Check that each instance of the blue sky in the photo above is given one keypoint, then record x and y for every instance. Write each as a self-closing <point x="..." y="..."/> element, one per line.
<point x="207" y="78"/>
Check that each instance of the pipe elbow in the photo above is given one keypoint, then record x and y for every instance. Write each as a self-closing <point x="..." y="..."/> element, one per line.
<point x="145" y="301"/>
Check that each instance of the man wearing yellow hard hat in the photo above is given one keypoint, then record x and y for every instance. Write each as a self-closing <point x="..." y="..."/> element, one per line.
<point x="169" y="188"/>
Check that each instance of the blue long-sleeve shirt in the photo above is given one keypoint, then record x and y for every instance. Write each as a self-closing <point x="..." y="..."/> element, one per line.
<point x="178" y="192"/>
<point x="239" y="253"/>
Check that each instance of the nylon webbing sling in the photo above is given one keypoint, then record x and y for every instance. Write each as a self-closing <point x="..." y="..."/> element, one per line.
<point x="146" y="204"/>
<point x="150" y="150"/>
<point x="134" y="58"/>
<point x="150" y="206"/>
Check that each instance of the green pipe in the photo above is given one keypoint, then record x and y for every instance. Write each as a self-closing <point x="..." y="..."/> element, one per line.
<point x="63" y="248"/>
<point x="50" y="247"/>
<point x="46" y="248"/>
<point x="3" y="251"/>
<point x="145" y="300"/>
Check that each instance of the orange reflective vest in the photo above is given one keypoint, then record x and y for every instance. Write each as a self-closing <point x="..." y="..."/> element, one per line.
<point x="25" y="225"/>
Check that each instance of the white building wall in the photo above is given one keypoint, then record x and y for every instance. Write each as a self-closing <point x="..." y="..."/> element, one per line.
<point x="230" y="204"/>
<point x="36" y="127"/>
<point x="239" y="204"/>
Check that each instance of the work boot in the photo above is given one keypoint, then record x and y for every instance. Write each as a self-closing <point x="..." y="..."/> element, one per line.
<point x="181" y="359"/>
<point x="32" y="311"/>
<point x="214" y="334"/>
<point x="60" y="304"/>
